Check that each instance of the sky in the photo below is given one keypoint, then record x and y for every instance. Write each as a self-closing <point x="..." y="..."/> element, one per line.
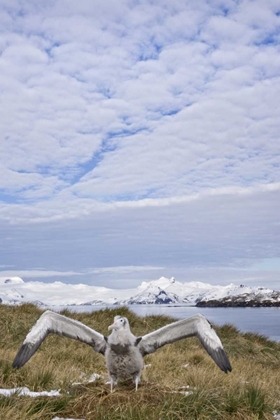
<point x="140" y="139"/>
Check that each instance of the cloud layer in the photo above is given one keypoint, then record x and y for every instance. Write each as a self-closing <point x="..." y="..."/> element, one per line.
<point x="140" y="134"/>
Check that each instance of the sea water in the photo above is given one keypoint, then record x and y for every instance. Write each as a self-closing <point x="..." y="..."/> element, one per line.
<point x="264" y="321"/>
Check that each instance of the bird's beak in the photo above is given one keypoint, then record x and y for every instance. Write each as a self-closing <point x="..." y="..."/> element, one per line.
<point x="111" y="327"/>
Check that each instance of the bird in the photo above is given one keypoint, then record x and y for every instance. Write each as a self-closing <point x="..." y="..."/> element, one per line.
<point x="123" y="351"/>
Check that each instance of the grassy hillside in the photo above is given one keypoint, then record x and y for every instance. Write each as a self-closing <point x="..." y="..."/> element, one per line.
<point x="251" y="391"/>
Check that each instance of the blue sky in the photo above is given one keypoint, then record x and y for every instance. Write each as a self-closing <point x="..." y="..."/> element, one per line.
<point x="140" y="139"/>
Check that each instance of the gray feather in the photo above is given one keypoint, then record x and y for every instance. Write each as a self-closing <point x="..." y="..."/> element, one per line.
<point x="195" y="326"/>
<point x="53" y="323"/>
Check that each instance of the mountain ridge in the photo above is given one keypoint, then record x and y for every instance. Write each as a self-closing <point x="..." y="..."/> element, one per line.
<point x="15" y="290"/>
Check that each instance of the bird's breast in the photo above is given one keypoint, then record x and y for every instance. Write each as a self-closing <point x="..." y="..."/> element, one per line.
<point x="120" y="349"/>
<point x="123" y="360"/>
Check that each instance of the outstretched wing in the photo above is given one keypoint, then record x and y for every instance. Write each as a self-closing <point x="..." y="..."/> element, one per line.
<point x="51" y="322"/>
<point x="195" y="326"/>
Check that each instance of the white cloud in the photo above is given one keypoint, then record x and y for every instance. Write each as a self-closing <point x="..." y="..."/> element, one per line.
<point x="37" y="273"/>
<point x="115" y="110"/>
<point x="215" y="235"/>
<point x="40" y="273"/>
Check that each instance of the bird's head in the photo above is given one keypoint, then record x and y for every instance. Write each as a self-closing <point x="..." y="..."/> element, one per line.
<point x="120" y="322"/>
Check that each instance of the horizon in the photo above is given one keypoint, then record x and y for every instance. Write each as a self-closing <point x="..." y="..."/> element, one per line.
<point x="140" y="140"/>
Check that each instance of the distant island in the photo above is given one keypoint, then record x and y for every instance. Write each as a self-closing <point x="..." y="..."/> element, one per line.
<point x="238" y="302"/>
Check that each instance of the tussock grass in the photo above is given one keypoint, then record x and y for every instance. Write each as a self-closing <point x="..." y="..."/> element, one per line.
<point x="251" y="391"/>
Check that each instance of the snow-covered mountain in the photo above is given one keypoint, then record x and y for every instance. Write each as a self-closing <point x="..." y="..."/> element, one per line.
<point x="15" y="290"/>
<point x="162" y="291"/>
<point x="152" y="294"/>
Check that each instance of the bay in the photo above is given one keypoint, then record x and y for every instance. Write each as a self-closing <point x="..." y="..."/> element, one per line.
<point x="264" y="321"/>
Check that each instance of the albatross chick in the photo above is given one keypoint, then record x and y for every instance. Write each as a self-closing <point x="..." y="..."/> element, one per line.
<point x="123" y="351"/>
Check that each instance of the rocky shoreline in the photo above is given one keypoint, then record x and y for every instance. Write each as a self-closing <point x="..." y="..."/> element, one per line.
<point x="237" y="303"/>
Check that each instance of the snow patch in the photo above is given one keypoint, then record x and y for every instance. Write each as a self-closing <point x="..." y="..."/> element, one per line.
<point x="24" y="391"/>
<point x="11" y="280"/>
<point x="63" y="418"/>
<point x="183" y="391"/>
<point x="90" y="380"/>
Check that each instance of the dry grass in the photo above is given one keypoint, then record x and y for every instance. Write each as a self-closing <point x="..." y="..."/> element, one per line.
<point x="251" y="391"/>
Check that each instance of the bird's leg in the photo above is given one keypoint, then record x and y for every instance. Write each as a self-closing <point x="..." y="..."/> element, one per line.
<point x="113" y="381"/>
<point x="137" y="380"/>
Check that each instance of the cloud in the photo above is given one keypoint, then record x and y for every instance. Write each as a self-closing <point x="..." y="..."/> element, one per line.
<point x="218" y="236"/>
<point x="41" y="273"/>
<point x="37" y="273"/>
<point x="139" y="113"/>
